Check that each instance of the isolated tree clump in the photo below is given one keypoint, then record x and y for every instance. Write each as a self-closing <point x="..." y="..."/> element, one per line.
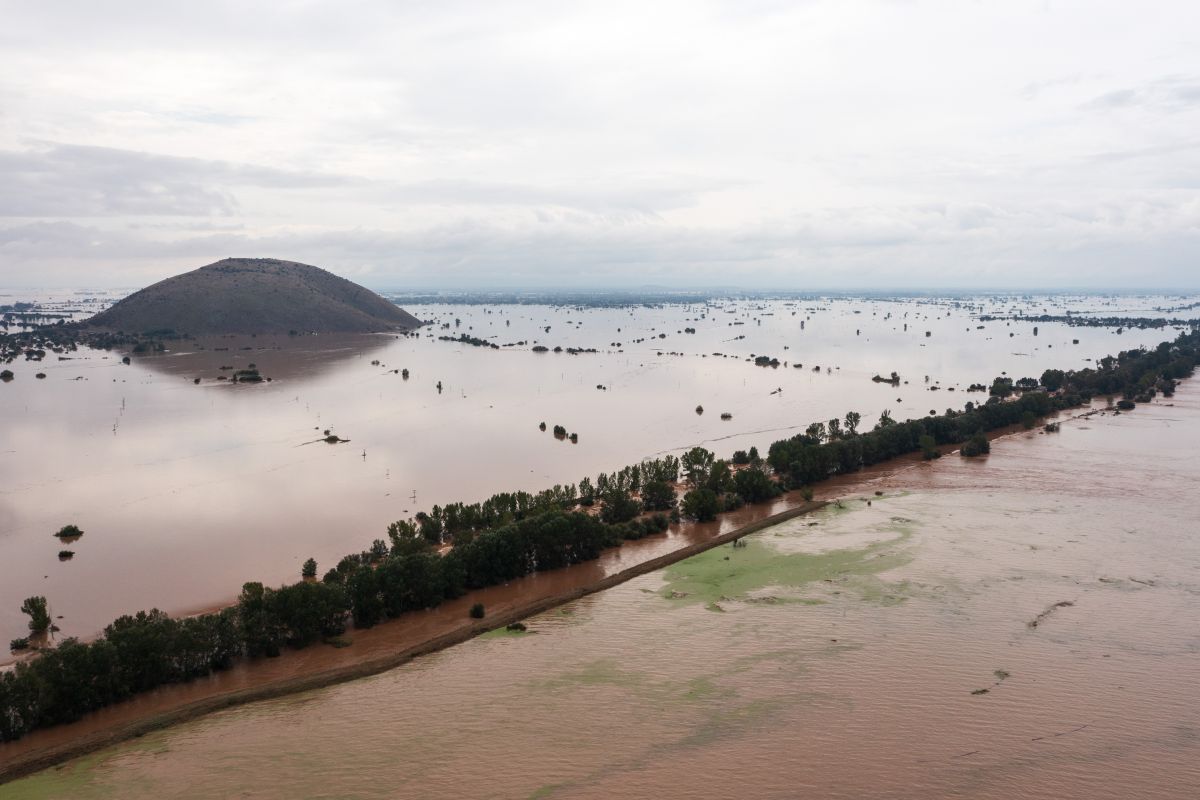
<point x="39" y="615"/>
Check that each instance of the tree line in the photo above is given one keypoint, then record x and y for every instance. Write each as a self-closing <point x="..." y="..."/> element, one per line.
<point x="513" y="534"/>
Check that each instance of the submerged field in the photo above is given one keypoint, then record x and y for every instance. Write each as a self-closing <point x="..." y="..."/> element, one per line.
<point x="886" y="650"/>
<point x="186" y="490"/>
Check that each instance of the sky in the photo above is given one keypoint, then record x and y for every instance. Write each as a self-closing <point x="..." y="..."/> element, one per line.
<point x="756" y="144"/>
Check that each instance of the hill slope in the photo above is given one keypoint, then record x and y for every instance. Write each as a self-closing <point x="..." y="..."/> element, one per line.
<point x="254" y="295"/>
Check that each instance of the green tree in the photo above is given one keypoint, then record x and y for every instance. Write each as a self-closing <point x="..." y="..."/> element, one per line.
<point x="658" y="496"/>
<point x="1001" y="387"/>
<point x="406" y="537"/>
<point x="431" y="528"/>
<point x="39" y="616"/>
<point x="309" y="570"/>
<point x="617" y="506"/>
<point x="366" y="603"/>
<point x="587" y="494"/>
<point x="977" y="445"/>
<point x="720" y="477"/>
<point x="754" y="486"/>
<point x="853" y="418"/>
<point x="696" y="463"/>
<point x="701" y="504"/>
<point x="261" y="630"/>
<point x="309" y="611"/>
<point x="928" y="447"/>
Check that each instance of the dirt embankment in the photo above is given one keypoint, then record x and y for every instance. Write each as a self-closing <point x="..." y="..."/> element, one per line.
<point x="310" y="670"/>
<point x="396" y="642"/>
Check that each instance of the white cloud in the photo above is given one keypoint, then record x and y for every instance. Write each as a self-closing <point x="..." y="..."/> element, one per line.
<point x="463" y="143"/>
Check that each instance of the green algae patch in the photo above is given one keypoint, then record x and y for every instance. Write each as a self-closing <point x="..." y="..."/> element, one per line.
<point x="702" y="688"/>
<point x="772" y="600"/>
<point x="85" y="777"/>
<point x="731" y="718"/>
<point x="659" y="691"/>
<point x="74" y="779"/>
<point x="879" y="592"/>
<point x="605" y="672"/>
<point x="726" y="573"/>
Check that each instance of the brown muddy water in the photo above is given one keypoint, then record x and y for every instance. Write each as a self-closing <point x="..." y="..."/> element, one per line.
<point x="185" y="491"/>
<point x="843" y="659"/>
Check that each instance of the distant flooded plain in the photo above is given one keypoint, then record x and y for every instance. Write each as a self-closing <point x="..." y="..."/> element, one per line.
<point x="1021" y="625"/>
<point x="186" y="490"/>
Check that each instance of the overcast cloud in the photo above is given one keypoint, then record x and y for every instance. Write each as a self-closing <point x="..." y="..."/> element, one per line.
<point x="788" y="145"/>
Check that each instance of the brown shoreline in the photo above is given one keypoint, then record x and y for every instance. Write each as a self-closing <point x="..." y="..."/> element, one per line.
<point x="317" y="667"/>
<point x="35" y="760"/>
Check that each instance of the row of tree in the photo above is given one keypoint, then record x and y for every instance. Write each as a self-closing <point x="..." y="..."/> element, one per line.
<point x="460" y="522"/>
<point x="514" y="534"/>
<point x="832" y="448"/>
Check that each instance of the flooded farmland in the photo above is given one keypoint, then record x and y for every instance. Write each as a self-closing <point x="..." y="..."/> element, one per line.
<point x="588" y="401"/>
<point x="186" y="485"/>
<point x="1021" y="625"/>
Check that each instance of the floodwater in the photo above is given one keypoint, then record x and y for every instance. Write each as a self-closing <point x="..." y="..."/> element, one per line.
<point x="842" y="659"/>
<point x="186" y="490"/>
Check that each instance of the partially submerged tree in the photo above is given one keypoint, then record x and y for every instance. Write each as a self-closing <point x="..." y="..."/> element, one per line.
<point x="853" y="418"/>
<point x="701" y="504"/>
<point x="977" y="445"/>
<point x="696" y="464"/>
<point x="928" y="445"/>
<point x="617" y="506"/>
<point x="658" y="496"/>
<point x="39" y="615"/>
<point x="754" y="486"/>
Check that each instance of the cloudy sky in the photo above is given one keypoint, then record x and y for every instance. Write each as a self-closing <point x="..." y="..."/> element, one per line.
<point x="757" y="143"/>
